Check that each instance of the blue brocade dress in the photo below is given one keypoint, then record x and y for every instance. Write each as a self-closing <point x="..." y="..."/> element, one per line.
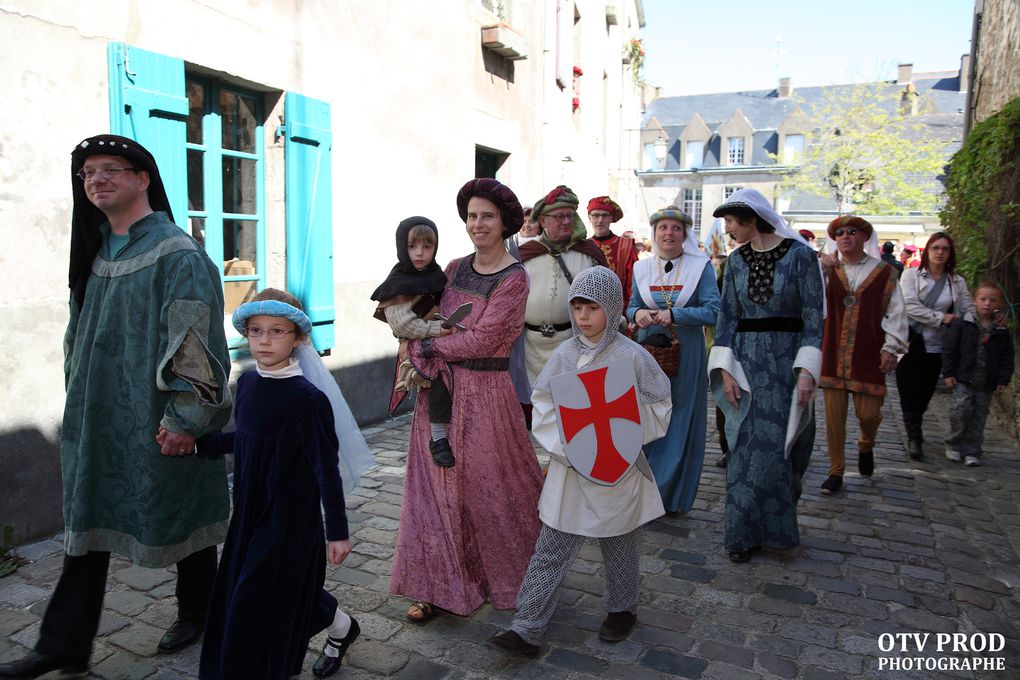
<point x="762" y="484"/>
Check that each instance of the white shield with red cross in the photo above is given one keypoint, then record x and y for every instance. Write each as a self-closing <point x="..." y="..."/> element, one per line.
<point x="599" y="420"/>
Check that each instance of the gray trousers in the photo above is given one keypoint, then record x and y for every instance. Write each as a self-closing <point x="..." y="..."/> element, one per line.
<point x="967" y="417"/>
<point x="555" y="551"/>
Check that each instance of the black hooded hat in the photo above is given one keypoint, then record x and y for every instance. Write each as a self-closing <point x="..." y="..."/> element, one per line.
<point x="404" y="279"/>
<point x="86" y="218"/>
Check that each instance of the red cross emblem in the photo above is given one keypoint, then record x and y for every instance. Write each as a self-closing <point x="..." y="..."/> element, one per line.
<point x="600" y="421"/>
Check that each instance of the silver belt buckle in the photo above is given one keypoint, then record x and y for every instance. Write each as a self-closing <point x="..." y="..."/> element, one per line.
<point x="547" y="330"/>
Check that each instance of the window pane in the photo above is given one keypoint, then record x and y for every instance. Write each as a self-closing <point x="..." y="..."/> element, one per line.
<point x="196" y="111"/>
<point x="239" y="121"/>
<point x="196" y="180"/>
<point x="197" y="227"/>
<point x="793" y="148"/>
<point x="240" y="239"/>
<point x="239" y="185"/>
<point x="692" y="205"/>
<point x="736" y="151"/>
<point x="695" y="154"/>
<point x="650" y="163"/>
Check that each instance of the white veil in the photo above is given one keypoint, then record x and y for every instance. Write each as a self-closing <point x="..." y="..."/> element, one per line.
<point x="354" y="454"/>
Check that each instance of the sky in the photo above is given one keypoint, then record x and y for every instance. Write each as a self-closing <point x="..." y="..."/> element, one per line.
<point x="699" y="46"/>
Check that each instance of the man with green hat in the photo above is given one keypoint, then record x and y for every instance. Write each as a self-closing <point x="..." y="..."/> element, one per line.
<point x="552" y="261"/>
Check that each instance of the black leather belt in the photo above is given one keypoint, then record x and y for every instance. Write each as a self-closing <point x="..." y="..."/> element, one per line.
<point x="548" y="329"/>
<point x="771" y="324"/>
<point x="489" y="364"/>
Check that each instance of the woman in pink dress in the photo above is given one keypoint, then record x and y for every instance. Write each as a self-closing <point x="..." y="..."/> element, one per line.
<point x="467" y="532"/>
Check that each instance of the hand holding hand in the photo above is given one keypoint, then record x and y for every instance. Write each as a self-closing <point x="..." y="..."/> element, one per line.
<point x="887" y="362"/>
<point x="174" y="443"/>
<point x="337" y="551"/>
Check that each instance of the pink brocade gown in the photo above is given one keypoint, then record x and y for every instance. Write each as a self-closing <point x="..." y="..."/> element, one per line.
<point x="467" y="532"/>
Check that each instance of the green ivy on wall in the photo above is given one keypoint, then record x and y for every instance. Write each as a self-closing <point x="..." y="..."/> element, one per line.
<point x="983" y="207"/>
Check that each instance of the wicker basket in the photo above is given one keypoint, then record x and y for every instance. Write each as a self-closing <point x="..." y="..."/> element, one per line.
<point x="668" y="358"/>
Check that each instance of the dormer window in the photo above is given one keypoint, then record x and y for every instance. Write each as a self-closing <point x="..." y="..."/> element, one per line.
<point x="735" y="154"/>
<point x="695" y="156"/>
<point x="793" y="149"/>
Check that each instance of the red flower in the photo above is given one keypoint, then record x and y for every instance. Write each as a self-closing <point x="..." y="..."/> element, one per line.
<point x="578" y="71"/>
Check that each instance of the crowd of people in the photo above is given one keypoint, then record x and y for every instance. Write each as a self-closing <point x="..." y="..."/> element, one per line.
<point x="596" y="348"/>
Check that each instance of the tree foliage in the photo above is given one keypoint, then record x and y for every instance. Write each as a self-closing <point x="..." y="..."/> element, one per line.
<point x="868" y="153"/>
<point x="983" y="206"/>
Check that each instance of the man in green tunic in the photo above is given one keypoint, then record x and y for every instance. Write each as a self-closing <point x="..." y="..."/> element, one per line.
<point x="144" y="350"/>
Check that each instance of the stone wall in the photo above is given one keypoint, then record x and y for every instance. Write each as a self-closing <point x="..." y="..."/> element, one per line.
<point x="998" y="58"/>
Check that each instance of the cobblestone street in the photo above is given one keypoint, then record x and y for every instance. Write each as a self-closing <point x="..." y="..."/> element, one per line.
<point x="926" y="547"/>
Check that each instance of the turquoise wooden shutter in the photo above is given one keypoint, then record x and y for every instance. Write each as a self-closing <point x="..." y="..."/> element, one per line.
<point x="148" y="103"/>
<point x="309" y="187"/>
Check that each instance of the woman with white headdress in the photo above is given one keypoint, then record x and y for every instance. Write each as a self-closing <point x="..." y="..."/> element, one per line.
<point x="675" y="292"/>
<point x="764" y="367"/>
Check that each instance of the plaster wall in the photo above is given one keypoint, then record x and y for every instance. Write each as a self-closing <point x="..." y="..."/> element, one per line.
<point x="412" y="93"/>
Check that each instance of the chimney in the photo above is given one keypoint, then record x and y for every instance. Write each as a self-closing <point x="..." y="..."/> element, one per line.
<point x="905" y="74"/>
<point x="785" y="89"/>
<point x="965" y="73"/>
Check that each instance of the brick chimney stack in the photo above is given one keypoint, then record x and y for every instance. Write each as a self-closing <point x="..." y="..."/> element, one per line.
<point x="905" y="74"/>
<point x="785" y="88"/>
<point x="965" y="73"/>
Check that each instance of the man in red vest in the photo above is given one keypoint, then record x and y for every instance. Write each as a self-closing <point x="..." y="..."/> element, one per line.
<point x="619" y="250"/>
<point x="865" y="329"/>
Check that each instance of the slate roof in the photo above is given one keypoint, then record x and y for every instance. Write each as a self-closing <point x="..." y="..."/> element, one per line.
<point x="941" y="104"/>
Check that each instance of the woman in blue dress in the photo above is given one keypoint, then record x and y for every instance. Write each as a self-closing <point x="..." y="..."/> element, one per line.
<point x="676" y="291"/>
<point x="763" y="368"/>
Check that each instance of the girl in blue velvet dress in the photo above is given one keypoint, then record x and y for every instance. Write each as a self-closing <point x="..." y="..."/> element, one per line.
<point x="269" y="599"/>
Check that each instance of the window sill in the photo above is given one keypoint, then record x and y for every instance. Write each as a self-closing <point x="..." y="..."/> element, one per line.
<point x="502" y="40"/>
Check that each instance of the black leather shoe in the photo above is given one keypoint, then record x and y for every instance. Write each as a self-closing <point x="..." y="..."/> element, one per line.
<point x="914" y="449"/>
<point x="512" y="643"/>
<point x="831" y="485"/>
<point x="741" y="555"/>
<point x="179" y="636"/>
<point x="36" y="663"/>
<point x="326" y="666"/>
<point x="442" y="454"/>
<point x="866" y="463"/>
<point x="617" y="626"/>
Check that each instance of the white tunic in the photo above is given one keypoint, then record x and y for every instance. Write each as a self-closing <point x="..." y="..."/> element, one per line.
<point x="548" y="302"/>
<point x="572" y="504"/>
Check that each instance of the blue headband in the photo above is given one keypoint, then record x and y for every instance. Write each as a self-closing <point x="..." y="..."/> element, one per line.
<point x="271" y="308"/>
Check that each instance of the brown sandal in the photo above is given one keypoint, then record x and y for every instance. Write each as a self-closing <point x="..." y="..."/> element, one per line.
<point x="420" y="612"/>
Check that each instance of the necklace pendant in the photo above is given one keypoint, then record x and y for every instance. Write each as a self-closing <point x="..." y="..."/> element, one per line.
<point x="849" y="301"/>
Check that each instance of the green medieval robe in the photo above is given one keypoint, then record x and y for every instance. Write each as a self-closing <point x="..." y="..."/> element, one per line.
<point x="146" y="349"/>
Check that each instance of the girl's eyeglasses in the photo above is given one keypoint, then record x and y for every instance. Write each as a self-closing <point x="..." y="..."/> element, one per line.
<point x="274" y="333"/>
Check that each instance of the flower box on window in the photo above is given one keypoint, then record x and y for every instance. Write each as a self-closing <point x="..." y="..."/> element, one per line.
<point x="502" y="40"/>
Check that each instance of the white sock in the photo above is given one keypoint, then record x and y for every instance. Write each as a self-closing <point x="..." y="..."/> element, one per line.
<point x="337" y="630"/>
<point x="438" y="431"/>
